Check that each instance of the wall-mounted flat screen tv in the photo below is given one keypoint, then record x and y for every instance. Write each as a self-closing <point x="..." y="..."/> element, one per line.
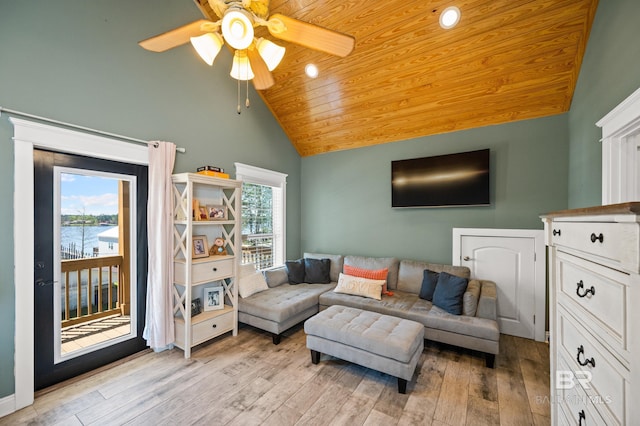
<point x="460" y="179"/>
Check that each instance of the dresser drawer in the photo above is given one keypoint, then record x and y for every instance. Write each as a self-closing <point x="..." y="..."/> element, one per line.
<point x="601" y="296"/>
<point x="204" y="271"/>
<point x="576" y="407"/>
<point x="617" y="244"/>
<point x="585" y="355"/>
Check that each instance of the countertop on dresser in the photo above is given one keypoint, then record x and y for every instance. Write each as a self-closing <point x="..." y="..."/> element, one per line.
<point x="622" y="208"/>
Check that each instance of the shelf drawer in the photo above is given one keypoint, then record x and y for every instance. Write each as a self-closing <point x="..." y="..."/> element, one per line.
<point x="616" y="244"/>
<point x="208" y="326"/>
<point x="609" y="380"/>
<point x="211" y="328"/>
<point x="204" y="271"/>
<point x="601" y="295"/>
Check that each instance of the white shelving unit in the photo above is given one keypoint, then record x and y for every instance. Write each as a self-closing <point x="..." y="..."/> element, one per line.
<point x="193" y="274"/>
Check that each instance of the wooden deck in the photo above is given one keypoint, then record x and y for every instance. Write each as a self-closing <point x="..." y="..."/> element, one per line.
<point x="93" y="332"/>
<point x="246" y="380"/>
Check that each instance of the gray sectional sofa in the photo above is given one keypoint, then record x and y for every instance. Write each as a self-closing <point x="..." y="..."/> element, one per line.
<point x="284" y="305"/>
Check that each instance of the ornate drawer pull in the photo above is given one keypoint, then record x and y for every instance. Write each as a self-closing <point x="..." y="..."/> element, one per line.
<point x="595" y="237"/>
<point x="586" y="360"/>
<point x="591" y="290"/>
<point x="556" y="232"/>
<point x="581" y="417"/>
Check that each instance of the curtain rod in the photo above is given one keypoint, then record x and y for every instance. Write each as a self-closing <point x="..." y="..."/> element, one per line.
<point x="75" y="126"/>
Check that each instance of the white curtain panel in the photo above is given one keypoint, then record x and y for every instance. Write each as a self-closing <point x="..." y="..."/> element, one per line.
<point x="159" y="328"/>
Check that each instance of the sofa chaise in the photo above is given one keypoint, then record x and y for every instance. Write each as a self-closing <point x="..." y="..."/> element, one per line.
<point x="284" y="305"/>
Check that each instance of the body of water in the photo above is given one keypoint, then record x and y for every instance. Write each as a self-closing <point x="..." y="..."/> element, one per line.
<point x="73" y="234"/>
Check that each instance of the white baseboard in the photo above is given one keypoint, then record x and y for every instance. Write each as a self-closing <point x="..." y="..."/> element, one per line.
<point x="7" y="405"/>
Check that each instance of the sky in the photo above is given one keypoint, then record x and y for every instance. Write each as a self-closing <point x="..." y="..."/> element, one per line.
<point x="92" y="195"/>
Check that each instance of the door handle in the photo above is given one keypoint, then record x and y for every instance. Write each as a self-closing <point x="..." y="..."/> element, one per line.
<point x="41" y="283"/>
<point x="466" y="258"/>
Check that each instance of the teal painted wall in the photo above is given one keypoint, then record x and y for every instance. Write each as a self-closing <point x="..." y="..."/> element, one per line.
<point x="610" y="72"/>
<point x="346" y="196"/>
<point x="79" y="62"/>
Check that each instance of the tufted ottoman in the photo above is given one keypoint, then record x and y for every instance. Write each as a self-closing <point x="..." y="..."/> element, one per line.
<point x="384" y="343"/>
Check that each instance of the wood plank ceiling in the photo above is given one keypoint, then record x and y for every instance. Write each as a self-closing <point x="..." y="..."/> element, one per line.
<point x="407" y="77"/>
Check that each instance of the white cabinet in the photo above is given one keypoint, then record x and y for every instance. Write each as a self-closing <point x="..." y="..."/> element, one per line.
<point x="594" y="267"/>
<point x="195" y="273"/>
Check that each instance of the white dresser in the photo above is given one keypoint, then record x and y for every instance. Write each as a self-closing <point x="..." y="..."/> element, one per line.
<point x="594" y="284"/>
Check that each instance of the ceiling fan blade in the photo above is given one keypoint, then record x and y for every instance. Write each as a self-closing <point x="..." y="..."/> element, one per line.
<point x="175" y="37"/>
<point x="262" y="78"/>
<point x="312" y="36"/>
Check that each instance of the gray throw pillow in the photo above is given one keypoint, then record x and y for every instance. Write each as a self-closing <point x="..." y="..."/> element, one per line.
<point x="317" y="271"/>
<point x="429" y="281"/>
<point x="295" y="271"/>
<point x="448" y="293"/>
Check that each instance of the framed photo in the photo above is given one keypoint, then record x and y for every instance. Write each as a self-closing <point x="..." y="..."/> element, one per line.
<point x="200" y="246"/>
<point x="196" y="307"/>
<point x="202" y="213"/>
<point x="213" y="298"/>
<point x="217" y="212"/>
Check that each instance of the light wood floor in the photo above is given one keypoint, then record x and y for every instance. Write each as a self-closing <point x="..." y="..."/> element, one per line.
<point x="247" y="380"/>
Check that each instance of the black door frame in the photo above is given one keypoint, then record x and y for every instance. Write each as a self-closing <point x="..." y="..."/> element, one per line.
<point x="47" y="372"/>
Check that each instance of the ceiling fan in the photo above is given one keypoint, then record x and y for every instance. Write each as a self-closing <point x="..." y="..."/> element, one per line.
<point x="254" y="59"/>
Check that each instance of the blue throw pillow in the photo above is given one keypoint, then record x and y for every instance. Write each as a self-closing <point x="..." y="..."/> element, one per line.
<point x="428" y="285"/>
<point x="449" y="293"/>
<point x="316" y="271"/>
<point x="295" y="271"/>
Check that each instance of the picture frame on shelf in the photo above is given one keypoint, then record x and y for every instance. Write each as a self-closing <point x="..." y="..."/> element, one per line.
<point x="213" y="298"/>
<point x="202" y="213"/>
<point x="195" y="209"/>
<point x="196" y="306"/>
<point x="215" y="212"/>
<point x="199" y="246"/>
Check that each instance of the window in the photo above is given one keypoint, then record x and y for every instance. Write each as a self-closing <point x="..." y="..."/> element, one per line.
<point x="263" y="215"/>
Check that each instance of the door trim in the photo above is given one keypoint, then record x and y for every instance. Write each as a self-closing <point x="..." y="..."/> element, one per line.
<point x="540" y="282"/>
<point x="620" y="156"/>
<point x="27" y="136"/>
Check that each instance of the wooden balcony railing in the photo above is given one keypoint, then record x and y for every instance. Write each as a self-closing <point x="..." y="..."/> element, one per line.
<point x="257" y="250"/>
<point x="92" y="288"/>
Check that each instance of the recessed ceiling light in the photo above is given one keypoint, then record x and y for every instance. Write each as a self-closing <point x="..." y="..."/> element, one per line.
<point x="449" y="17"/>
<point x="311" y="70"/>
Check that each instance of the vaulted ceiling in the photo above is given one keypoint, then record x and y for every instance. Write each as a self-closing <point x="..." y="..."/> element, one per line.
<point x="407" y="77"/>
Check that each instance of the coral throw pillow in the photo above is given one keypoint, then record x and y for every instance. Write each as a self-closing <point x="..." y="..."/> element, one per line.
<point x="371" y="274"/>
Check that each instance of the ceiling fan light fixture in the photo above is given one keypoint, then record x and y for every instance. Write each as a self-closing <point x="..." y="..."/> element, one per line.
<point x="208" y="46"/>
<point x="241" y="68"/>
<point x="449" y="17"/>
<point x="311" y="70"/>
<point x="237" y="28"/>
<point x="270" y="52"/>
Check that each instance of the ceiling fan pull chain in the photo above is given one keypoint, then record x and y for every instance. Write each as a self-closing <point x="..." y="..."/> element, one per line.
<point x="239" y="109"/>
<point x="246" y="102"/>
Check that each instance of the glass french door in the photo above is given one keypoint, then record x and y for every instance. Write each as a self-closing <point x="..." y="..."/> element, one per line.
<point x="90" y="260"/>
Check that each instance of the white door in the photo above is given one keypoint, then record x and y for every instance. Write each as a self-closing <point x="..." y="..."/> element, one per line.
<point x="508" y="258"/>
